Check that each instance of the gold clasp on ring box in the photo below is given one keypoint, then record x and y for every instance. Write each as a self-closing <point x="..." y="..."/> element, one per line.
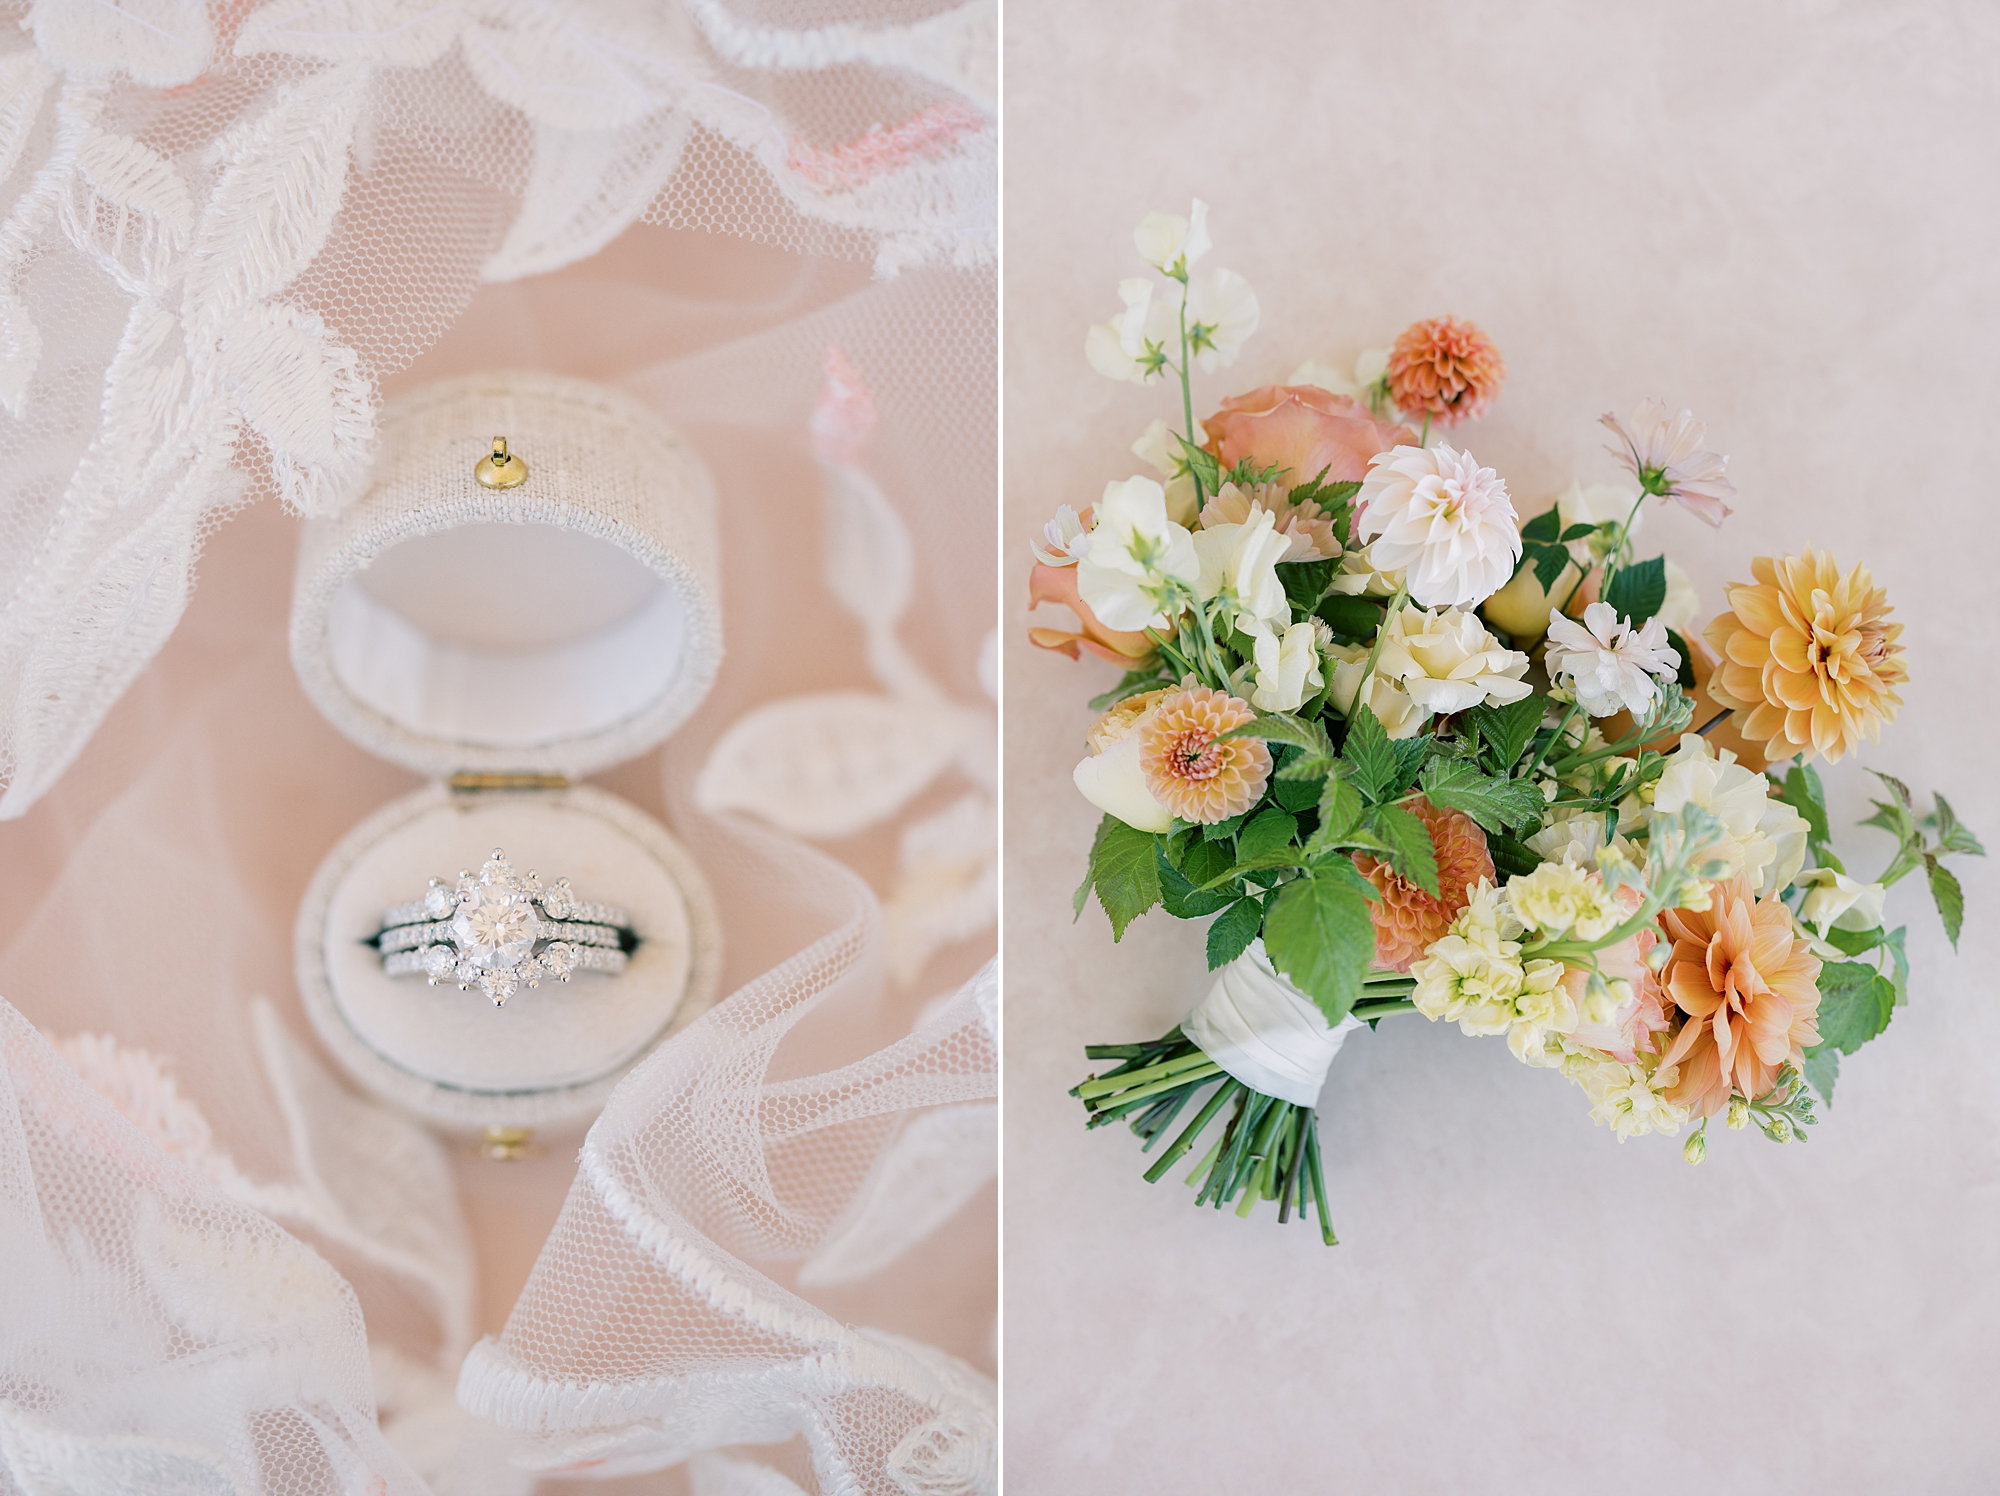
<point x="505" y="1144"/>
<point x="501" y="469"/>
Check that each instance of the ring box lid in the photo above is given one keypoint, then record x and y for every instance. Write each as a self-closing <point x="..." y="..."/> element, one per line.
<point x="558" y="627"/>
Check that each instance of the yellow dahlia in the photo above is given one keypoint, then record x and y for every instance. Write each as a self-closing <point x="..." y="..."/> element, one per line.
<point x="1409" y="921"/>
<point x="1189" y="769"/>
<point x="1810" y="662"/>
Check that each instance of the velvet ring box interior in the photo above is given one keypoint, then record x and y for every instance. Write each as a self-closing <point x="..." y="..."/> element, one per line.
<point x="503" y="641"/>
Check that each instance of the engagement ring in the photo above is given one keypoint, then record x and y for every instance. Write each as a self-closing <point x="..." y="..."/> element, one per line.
<point x="500" y="931"/>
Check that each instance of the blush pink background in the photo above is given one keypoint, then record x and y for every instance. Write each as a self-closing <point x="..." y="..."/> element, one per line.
<point x="1787" y="218"/>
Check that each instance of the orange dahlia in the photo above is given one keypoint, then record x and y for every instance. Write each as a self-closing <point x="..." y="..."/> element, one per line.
<point x="1408" y="920"/>
<point x="1810" y="662"/>
<point x="1445" y="369"/>
<point x="1750" y="991"/>
<point x="1189" y="768"/>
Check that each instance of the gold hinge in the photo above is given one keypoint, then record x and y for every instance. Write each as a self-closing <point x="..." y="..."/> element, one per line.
<point x="476" y="781"/>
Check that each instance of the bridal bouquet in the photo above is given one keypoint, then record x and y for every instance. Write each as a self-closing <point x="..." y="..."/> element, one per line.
<point x="1406" y="753"/>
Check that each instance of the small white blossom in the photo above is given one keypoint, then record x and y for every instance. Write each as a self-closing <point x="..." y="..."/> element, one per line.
<point x="1239" y="563"/>
<point x="1836" y="900"/>
<point x="1170" y="243"/>
<point x="1134" y="345"/>
<point x="1610" y="665"/>
<point x="1053" y="547"/>
<point x="1139" y="562"/>
<point x="1160" y="450"/>
<point x="1287" y="666"/>
<point x="1222" y="312"/>
<point x="1560" y="898"/>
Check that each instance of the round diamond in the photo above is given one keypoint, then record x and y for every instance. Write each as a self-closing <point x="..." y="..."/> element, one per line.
<point x="497" y="871"/>
<point x="439" y="962"/>
<point x="465" y="974"/>
<point x="439" y="901"/>
<point x="499" y="985"/>
<point x="559" y="902"/>
<point x="496" y="929"/>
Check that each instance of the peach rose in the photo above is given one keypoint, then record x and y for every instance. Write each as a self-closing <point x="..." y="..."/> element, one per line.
<point x="1057" y="584"/>
<point x="1301" y="429"/>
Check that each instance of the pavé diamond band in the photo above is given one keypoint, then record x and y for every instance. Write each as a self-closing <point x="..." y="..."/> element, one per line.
<point x="500" y="931"/>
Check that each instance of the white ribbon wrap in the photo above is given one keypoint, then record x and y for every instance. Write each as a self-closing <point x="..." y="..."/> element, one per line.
<point x="1264" y="1031"/>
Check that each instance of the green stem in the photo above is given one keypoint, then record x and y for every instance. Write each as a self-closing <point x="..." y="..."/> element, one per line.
<point x="1318" y="1180"/>
<point x="1194" y="1129"/>
<point x="1610" y="560"/>
<point x="1395" y="606"/>
<point x="1102" y="1084"/>
<point x="1569" y="716"/>
<point x="1204" y="1071"/>
<point x="1187" y="391"/>
<point x="1367" y="1011"/>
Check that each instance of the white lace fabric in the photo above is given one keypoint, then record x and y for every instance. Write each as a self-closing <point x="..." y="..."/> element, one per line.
<point x="222" y="228"/>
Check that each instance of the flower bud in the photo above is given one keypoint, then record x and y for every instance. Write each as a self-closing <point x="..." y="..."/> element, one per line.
<point x="1695" y="1149"/>
<point x="1739" y="1113"/>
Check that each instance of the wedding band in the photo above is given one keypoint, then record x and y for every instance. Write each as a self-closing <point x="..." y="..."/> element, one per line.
<point x="501" y="931"/>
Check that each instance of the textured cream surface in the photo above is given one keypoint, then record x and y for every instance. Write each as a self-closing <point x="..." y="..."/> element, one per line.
<point x="1785" y="218"/>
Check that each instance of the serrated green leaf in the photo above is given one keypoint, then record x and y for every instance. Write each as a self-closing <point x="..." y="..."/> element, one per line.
<point x="1899" y="965"/>
<point x="1301" y="793"/>
<point x="1352" y="619"/>
<point x="1329" y="496"/>
<point x="1232" y="932"/>
<point x="1205" y="861"/>
<point x="1318" y="933"/>
<point x="1637" y="591"/>
<point x="1282" y="727"/>
<point x="1340" y="810"/>
<point x="1901" y="790"/>
<point x="1368" y="749"/>
<point x="1082" y="895"/>
<point x="1411" y="755"/>
<point x="1802" y="791"/>
<point x="1409" y="841"/>
<point x="1181" y="898"/>
<point x="1545" y="526"/>
<point x="1511" y="857"/>
<point x="1550" y="562"/>
<point x="1306" y="581"/>
<point x="1224" y="830"/>
<point x="1855" y="1001"/>
<point x="1268" y="831"/>
<point x="1822" y="1069"/>
<point x="1947" y="895"/>
<point x="1126" y="870"/>
<point x="1952" y="834"/>
<point x="1497" y="804"/>
<point x="1507" y="730"/>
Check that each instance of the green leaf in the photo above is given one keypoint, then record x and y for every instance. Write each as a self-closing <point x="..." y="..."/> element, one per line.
<point x="1802" y="791"/>
<point x="1822" y="1069"/>
<point x="1507" y="730"/>
<point x="1901" y="790"/>
<point x="1497" y="804"/>
<point x="1269" y="831"/>
<point x="1638" y="590"/>
<point x="1952" y="835"/>
<point x="1318" y="933"/>
<point x="1550" y="562"/>
<point x="1947" y="895"/>
<point x="1329" y="496"/>
<point x="1082" y="895"/>
<point x="1282" y="727"/>
<point x="1545" y="526"/>
<point x="1205" y="861"/>
<point x="1232" y="932"/>
<point x="1126" y="870"/>
<point x="1577" y="532"/>
<point x="1207" y="472"/>
<point x="1510" y="856"/>
<point x="1352" y="619"/>
<point x="1410" y="851"/>
<point x="1306" y="581"/>
<point x="1300" y="793"/>
<point x="1854" y="942"/>
<point x="1340" y="810"/>
<point x="1134" y="682"/>
<point x="1368" y="749"/>
<point x="1899" y="968"/>
<point x="1224" y="830"/>
<point x="1855" y="1001"/>
<point x="1182" y="899"/>
<point x="1684" y="677"/>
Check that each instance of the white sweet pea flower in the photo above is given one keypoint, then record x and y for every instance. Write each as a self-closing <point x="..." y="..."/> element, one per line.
<point x="1287" y="667"/>
<point x="1440" y="515"/>
<point x="1762" y="837"/>
<point x="1158" y="449"/>
<point x="1170" y="243"/>
<point x="1836" y="900"/>
<point x="1133" y="346"/>
<point x="1610" y="665"/>
<point x="1604" y="505"/>
<point x="1222" y="313"/>
<point x="1239" y="563"/>
<point x="1139" y="562"/>
<point x="1056" y="545"/>
<point x="1368" y="371"/>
